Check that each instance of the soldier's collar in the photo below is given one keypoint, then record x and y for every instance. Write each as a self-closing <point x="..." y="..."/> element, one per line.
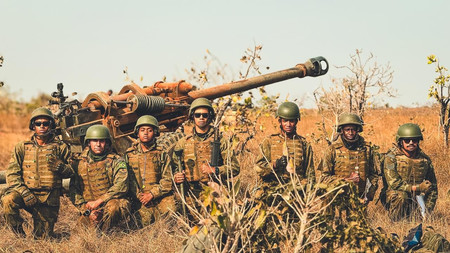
<point x="203" y="135"/>
<point x="151" y="146"/>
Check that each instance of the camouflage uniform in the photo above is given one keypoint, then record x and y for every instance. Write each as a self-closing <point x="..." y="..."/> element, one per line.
<point x="401" y="173"/>
<point x="29" y="171"/>
<point x="342" y="158"/>
<point x="197" y="151"/>
<point x="104" y="177"/>
<point x="299" y="151"/>
<point x="150" y="174"/>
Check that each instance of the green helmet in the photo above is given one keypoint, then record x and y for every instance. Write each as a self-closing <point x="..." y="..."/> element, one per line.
<point x="288" y="110"/>
<point x="201" y="102"/>
<point x="409" y="130"/>
<point x="97" y="132"/>
<point x="42" y="112"/>
<point x="147" y="120"/>
<point x="350" y="119"/>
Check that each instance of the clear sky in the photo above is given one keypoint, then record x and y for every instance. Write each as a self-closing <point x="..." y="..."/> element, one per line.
<point x="87" y="44"/>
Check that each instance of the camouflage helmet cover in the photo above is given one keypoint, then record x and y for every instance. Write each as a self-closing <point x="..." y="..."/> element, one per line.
<point x="350" y="119"/>
<point x="147" y="120"/>
<point x="409" y="130"/>
<point x="288" y="110"/>
<point x="201" y="102"/>
<point x="41" y="112"/>
<point x="97" y="132"/>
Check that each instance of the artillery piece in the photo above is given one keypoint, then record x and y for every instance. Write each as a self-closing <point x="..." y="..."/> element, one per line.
<point x="168" y="102"/>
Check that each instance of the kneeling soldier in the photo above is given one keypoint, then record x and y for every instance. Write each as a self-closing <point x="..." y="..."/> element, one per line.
<point x="151" y="177"/>
<point x="193" y="154"/>
<point x="34" y="177"/>
<point x="408" y="173"/>
<point x="351" y="158"/>
<point x="100" y="186"/>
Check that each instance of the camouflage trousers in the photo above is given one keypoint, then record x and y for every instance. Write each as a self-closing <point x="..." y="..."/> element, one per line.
<point x="192" y="195"/>
<point x="400" y="205"/>
<point x="158" y="209"/>
<point x="115" y="213"/>
<point x="44" y="216"/>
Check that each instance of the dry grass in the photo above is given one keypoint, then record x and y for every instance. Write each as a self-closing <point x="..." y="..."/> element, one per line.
<point x="381" y="125"/>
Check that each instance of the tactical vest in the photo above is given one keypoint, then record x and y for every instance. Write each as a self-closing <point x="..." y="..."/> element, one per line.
<point x="36" y="172"/>
<point x="96" y="177"/>
<point x="295" y="149"/>
<point x="196" y="153"/>
<point x="348" y="161"/>
<point x="412" y="170"/>
<point x="146" y="167"/>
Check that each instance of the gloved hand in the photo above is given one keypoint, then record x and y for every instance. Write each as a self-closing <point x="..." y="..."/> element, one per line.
<point x="55" y="164"/>
<point x="281" y="162"/>
<point x="425" y="186"/>
<point x="29" y="198"/>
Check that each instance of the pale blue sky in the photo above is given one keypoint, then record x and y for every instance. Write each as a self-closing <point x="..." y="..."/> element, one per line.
<point x="87" y="44"/>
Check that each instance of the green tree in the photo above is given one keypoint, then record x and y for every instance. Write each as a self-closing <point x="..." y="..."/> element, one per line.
<point x="440" y="91"/>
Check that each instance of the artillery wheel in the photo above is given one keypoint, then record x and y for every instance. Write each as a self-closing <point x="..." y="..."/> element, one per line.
<point x="168" y="141"/>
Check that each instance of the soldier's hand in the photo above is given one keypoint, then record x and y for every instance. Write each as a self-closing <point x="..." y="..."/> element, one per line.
<point x="281" y="162"/>
<point x="54" y="163"/>
<point x="96" y="216"/>
<point x="145" y="198"/>
<point x="93" y="205"/>
<point x="179" y="178"/>
<point x="425" y="186"/>
<point x="208" y="169"/>
<point x="354" y="177"/>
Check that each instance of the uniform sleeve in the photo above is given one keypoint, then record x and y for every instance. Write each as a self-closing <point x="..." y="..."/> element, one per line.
<point x="326" y="165"/>
<point x="230" y="165"/>
<point x="263" y="163"/>
<point x="65" y="156"/>
<point x="75" y="192"/>
<point x="14" y="172"/>
<point x="165" y="184"/>
<point x="309" y="164"/>
<point x="372" y="173"/>
<point x="433" y="193"/>
<point x="393" y="179"/>
<point x="120" y="181"/>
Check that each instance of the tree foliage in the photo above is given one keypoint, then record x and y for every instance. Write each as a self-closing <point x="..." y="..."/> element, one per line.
<point x="440" y="91"/>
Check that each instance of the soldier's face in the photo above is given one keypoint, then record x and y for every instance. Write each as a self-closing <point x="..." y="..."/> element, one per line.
<point x="201" y="117"/>
<point x="350" y="131"/>
<point x="410" y="145"/>
<point x="97" y="146"/>
<point x="41" y="125"/>
<point x="288" y="125"/>
<point x="146" y="133"/>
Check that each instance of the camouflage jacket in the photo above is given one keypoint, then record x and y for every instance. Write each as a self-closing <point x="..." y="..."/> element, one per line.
<point x="340" y="161"/>
<point x="160" y="170"/>
<point x="229" y="163"/>
<point x="401" y="173"/>
<point x="14" y="172"/>
<point x="297" y="147"/>
<point x="117" y="175"/>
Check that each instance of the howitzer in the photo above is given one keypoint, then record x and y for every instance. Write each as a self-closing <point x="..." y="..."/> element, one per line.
<point x="168" y="102"/>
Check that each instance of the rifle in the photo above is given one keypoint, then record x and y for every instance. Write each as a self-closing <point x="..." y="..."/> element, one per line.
<point x="216" y="158"/>
<point x="179" y="154"/>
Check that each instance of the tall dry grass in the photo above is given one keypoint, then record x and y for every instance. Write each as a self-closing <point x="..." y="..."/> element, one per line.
<point x="380" y="129"/>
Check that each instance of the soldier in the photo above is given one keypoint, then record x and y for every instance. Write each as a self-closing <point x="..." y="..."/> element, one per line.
<point x="286" y="152"/>
<point x="150" y="173"/>
<point x="351" y="158"/>
<point x="193" y="153"/>
<point x="408" y="172"/>
<point x="101" y="184"/>
<point x="34" y="177"/>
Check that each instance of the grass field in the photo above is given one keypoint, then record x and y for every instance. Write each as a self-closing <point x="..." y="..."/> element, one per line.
<point x="380" y="128"/>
